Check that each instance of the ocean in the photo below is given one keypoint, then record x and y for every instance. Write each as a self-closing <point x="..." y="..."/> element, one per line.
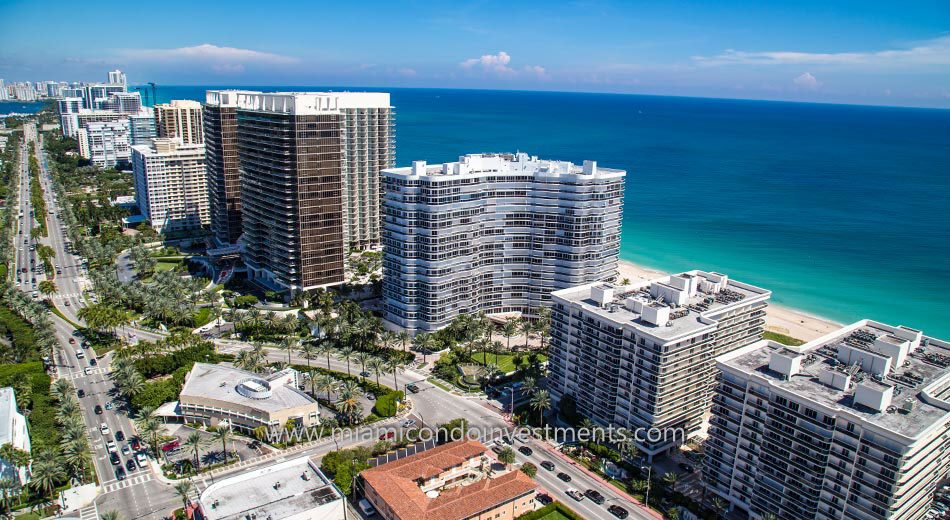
<point x="20" y="107"/>
<point x="838" y="209"/>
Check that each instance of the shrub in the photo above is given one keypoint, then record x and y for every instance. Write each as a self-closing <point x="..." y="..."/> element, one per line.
<point x="387" y="404"/>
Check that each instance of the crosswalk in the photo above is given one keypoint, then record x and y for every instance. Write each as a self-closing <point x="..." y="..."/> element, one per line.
<point x="115" y="485"/>
<point x="81" y="373"/>
<point x="89" y="513"/>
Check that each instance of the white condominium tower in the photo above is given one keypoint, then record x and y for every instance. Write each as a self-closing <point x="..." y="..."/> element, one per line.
<point x="494" y="233"/>
<point x="180" y="119"/>
<point x="641" y="356"/>
<point x="171" y="187"/>
<point x="853" y="425"/>
<point x="105" y="143"/>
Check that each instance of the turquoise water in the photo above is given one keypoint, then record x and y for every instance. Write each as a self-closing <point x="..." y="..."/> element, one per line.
<point x="839" y="210"/>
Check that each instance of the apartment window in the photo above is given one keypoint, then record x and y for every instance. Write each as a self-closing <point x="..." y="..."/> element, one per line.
<point x="811" y="413"/>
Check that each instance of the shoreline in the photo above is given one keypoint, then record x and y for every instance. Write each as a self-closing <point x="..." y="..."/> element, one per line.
<point x="780" y="319"/>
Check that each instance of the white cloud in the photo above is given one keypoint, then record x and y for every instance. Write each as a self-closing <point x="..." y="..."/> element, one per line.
<point x="537" y="70"/>
<point x="407" y="72"/>
<point x="494" y="62"/>
<point x="207" y="53"/>
<point x="930" y="52"/>
<point x="807" y="80"/>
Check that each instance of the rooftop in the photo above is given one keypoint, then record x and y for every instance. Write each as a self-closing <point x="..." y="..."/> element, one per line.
<point x="165" y="146"/>
<point x="223" y="383"/>
<point x="892" y="377"/>
<point x="666" y="308"/>
<point x="297" y="103"/>
<point x="504" y="163"/>
<point x="278" y="491"/>
<point x="398" y="484"/>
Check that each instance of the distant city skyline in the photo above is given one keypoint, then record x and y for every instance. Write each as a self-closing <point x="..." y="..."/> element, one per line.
<point x="873" y="52"/>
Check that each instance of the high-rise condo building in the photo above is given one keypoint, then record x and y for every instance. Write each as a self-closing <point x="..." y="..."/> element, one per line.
<point x="95" y="92"/>
<point x="121" y="102"/>
<point x="180" y="119"/>
<point x="142" y="126"/>
<point x="853" y="425"/>
<point x="221" y="162"/>
<point x="642" y="356"/>
<point x="117" y="77"/>
<point x="309" y="181"/>
<point x="3" y="91"/>
<point x="494" y="233"/>
<point x="171" y="186"/>
<point x="105" y="143"/>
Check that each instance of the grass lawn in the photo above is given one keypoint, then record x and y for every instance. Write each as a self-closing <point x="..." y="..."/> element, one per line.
<point x="166" y="265"/>
<point x="782" y="338"/>
<point x="203" y="316"/>
<point x="505" y="362"/>
<point x="554" y="515"/>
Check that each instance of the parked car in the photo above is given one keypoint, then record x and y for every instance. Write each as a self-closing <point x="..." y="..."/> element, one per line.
<point x="119" y="473"/>
<point x="111" y="447"/>
<point x="387" y="435"/>
<point x="98" y="410"/>
<point x="130" y="465"/>
<point x="104" y="429"/>
<point x="366" y="507"/>
<point x="526" y="451"/>
<point x="564" y="477"/>
<point x="114" y="459"/>
<point x="543" y="499"/>
<point x="548" y="465"/>
<point x="575" y="494"/>
<point x="119" y="436"/>
<point x="497" y="449"/>
<point x="81" y="393"/>
<point x="141" y="459"/>
<point x="408" y="423"/>
<point x="618" y="511"/>
<point x="595" y="496"/>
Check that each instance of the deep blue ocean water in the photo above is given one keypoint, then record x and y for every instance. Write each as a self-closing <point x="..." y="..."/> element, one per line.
<point x="840" y="210"/>
<point x="19" y="107"/>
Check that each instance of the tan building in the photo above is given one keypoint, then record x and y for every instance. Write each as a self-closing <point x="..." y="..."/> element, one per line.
<point x="181" y="119"/>
<point x="216" y="393"/>
<point x="454" y="481"/>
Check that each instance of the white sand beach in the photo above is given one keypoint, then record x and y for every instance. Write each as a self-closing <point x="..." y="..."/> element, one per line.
<point x="782" y="320"/>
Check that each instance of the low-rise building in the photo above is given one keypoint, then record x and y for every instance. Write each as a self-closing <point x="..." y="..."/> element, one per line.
<point x="213" y="394"/>
<point x="291" y="490"/>
<point x="13" y="431"/>
<point x="454" y="481"/>
<point x="642" y="356"/>
<point x="171" y="185"/>
<point x="853" y="425"/>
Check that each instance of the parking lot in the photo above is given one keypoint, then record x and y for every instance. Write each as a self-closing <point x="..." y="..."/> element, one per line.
<point x="211" y="450"/>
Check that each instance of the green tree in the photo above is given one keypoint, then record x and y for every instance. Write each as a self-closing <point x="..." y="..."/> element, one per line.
<point x="183" y="489"/>
<point x="194" y="442"/>
<point x="541" y="403"/>
<point x="507" y="456"/>
<point x="529" y="469"/>
<point x="48" y="288"/>
<point x="223" y="434"/>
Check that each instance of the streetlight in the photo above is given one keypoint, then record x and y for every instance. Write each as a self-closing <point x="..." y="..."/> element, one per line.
<point x="649" y="469"/>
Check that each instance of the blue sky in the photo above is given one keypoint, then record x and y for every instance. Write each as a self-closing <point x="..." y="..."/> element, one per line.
<point x="871" y="51"/>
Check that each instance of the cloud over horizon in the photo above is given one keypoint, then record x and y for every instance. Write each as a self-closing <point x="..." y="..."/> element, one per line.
<point x="499" y="64"/>
<point x="229" y="57"/>
<point x="930" y="52"/>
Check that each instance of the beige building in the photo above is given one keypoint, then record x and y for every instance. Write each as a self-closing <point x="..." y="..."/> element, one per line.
<point x="213" y="394"/>
<point x="181" y="119"/>
<point x="171" y="185"/>
<point x="851" y="426"/>
<point x="454" y="481"/>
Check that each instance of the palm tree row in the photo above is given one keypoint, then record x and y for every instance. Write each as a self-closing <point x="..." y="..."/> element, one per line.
<point x="128" y="381"/>
<point x="35" y="314"/>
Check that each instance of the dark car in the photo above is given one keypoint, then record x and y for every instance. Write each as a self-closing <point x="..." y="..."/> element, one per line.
<point x="119" y="436"/>
<point x="595" y="496"/>
<point x="130" y="465"/>
<point x="364" y="374"/>
<point x="548" y="465"/>
<point x="98" y="410"/>
<point x="526" y="451"/>
<point x="93" y="362"/>
<point x="618" y="511"/>
<point x="81" y="393"/>
<point x="564" y="476"/>
<point x="119" y="473"/>
<point x="114" y="459"/>
<point x="686" y="467"/>
<point x="497" y="449"/>
<point x="412" y="388"/>
<point x="543" y="499"/>
<point x="135" y="444"/>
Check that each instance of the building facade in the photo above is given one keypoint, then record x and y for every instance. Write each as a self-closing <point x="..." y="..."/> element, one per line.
<point x="641" y="356"/>
<point x="105" y="143"/>
<point x="294" y="163"/>
<point x="171" y="184"/>
<point x="180" y="119"/>
<point x="15" y="432"/>
<point x="224" y="177"/>
<point x="494" y="234"/>
<point x="142" y="127"/>
<point x="853" y="425"/>
<point x="121" y="103"/>
<point x="453" y="481"/>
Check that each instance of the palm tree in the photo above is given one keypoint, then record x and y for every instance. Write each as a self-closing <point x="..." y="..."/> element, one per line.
<point x="8" y="490"/>
<point x="362" y="358"/>
<point x="529" y="385"/>
<point x="110" y="515"/>
<point x="525" y="327"/>
<point x="324" y="347"/>
<point x="152" y="434"/>
<point x="509" y="330"/>
<point x="348" y="401"/>
<point x="720" y="506"/>
<point x="223" y="434"/>
<point x="48" y="288"/>
<point x="289" y="343"/>
<point x="423" y="342"/>
<point x="670" y="478"/>
<point x="195" y="442"/>
<point x="391" y="366"/>
<point x="541" y="403"/>
<point x="346" y="353"/>
<point x="324" y="383"/>
<point x="60" y="388"/>
<point x="46" y="473"/>
<point x="404" y="338"/>
<point x="183" y="490"/>
<point x="507" y="456"/>
<point x="376" y="365"/>
<point x="308" y="351"/>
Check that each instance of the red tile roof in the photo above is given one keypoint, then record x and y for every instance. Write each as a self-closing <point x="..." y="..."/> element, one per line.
<point x="396" y="483"/>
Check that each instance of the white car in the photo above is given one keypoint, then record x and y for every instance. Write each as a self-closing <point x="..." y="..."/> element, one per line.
<point x="87" y="370"/>
<point x="111" y="447"/>
<point x="366" y="507"/>
<point x="408" y="423"/>
<point x="141" y="459"/>
<point x="104" y="429"/>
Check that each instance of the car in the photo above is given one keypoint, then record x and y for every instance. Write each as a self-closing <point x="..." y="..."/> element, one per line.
<point x="548" y="465"/>
<point x="66" y="303"/>
<point x="543" y="499"/>
<point x="595" y="496"/>
<point x="254" y="444"/>
<point x="24" y="270"/>
<point x="618" y="511"/>
<point x="92" y="361"/>
<point x="526" y="451"/>
<point x="109" y="405"/>
<point x="141" y="459"/>
<point x="408" y="423"/>
<point x="111" y="447"/>
<point x="136" y="445"/>
<point x="114" y="459"/>
<point x="387" y="435"/>
<point x="564" y="477"/>
<point x="72" y="341"/>
<point x="497" y="449"/>
<point x="366" y="507"/>
<point x="507" y="440"/>
<point x="119" y="473"/>
<point x="130" y="465"/>
<point x="104" y="429"/>
<point x="59" y="271"/>
<point x="119" y="436"/>
<point x="98" y="410"/>
<point x="365" y="374"/>
<point x="81" y="393"/>
<point x="412" y="388"/>
<point x="575" y="494"/>
<point x="87" y="371"/>
<point x="686" y="467"/>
